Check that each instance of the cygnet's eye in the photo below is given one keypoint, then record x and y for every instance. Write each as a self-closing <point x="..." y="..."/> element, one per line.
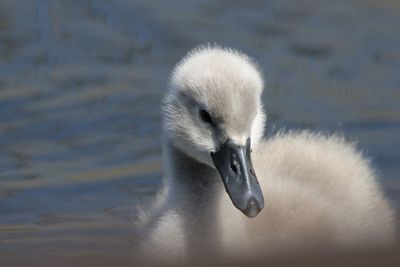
<point x="206" y="117"/>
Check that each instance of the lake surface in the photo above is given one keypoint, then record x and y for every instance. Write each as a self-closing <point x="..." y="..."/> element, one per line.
<point x="81" y="83"/>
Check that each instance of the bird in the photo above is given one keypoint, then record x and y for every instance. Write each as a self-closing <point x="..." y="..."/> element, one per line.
<point x="230" y="192"/>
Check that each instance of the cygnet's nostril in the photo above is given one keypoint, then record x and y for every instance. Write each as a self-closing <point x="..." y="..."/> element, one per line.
<point x="234" y="168"/>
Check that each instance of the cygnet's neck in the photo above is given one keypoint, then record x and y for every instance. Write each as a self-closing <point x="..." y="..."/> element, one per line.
<point x="194" y="190"/>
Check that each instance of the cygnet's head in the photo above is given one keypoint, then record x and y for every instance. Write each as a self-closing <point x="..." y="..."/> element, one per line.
<point x="212" y="112"/>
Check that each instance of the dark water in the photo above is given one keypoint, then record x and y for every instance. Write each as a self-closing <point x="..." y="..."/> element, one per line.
<point x="81" y="83"/>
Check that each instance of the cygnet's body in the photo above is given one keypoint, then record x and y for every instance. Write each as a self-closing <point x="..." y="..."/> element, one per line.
<point x="318" y="191"/>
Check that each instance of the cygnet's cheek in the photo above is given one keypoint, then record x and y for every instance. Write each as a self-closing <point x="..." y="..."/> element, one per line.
<point x="203" y="157"/>
<point x="257" y="128"/>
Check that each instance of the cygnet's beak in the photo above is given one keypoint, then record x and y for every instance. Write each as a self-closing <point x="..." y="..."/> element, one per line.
<point x="233" y="163"/>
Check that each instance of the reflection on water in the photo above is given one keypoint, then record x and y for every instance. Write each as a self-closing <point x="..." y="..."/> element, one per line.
<point x="81" y="82"/>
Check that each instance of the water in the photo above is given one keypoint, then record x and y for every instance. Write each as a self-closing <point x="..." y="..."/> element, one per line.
<point x="81" y="83"/>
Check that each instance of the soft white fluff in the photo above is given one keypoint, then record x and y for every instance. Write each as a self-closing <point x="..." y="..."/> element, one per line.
<point x="319" y="190"/>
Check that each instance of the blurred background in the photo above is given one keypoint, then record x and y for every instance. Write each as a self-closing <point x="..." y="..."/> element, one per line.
<point x="81" y="83"/>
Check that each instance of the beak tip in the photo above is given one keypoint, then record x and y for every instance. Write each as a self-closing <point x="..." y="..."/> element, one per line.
<point x="253" y="208"/>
